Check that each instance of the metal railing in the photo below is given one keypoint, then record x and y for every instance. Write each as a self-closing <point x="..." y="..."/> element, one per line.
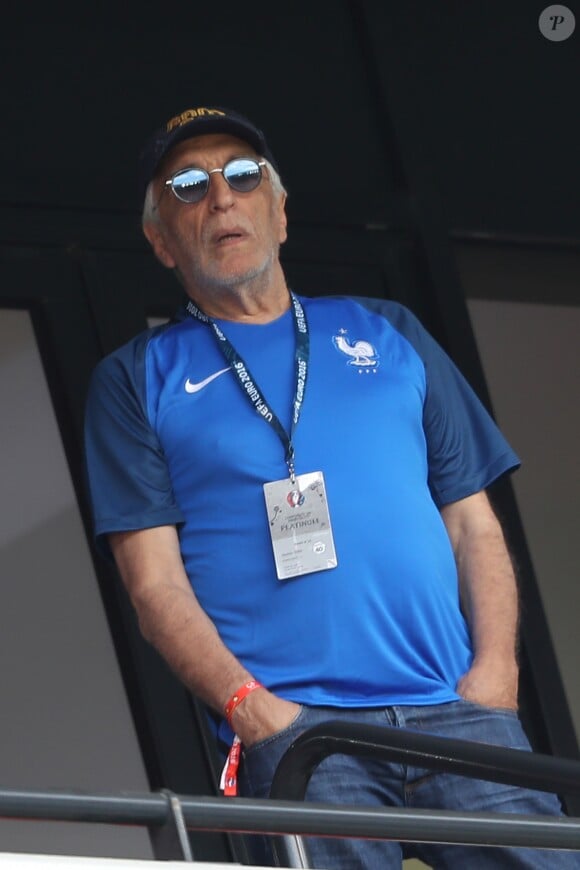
<point x="173" y="815"/>
<point x="459" y="757"/>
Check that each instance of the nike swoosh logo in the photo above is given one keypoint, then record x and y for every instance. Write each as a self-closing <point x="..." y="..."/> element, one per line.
<point x="195" y="388"/>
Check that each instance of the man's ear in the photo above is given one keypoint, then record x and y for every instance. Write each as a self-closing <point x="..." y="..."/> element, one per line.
<point x="282" y="220"/>
<point x="156" y="238"/>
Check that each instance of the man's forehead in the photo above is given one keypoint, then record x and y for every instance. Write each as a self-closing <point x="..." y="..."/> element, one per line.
<point x="206" y="148"/>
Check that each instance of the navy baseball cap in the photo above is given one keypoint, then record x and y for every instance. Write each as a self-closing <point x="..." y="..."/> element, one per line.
<point x="198" y="122"/>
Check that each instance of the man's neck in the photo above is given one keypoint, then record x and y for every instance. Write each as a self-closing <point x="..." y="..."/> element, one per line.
<point x="244" y="303"/>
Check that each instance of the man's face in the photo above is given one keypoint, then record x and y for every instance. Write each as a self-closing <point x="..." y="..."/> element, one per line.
<point x="227" y="239"/>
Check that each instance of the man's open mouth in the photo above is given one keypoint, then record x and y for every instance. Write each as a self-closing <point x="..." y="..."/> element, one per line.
<point x="229" y="236"/>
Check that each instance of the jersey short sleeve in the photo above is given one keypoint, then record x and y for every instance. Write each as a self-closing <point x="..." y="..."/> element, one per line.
<point x="127" y="474"/>
<point x="466" y="450"/>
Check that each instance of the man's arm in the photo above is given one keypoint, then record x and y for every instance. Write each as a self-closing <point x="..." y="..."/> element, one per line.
<point x="489" y="599"/>
<point x="171" y="618"/>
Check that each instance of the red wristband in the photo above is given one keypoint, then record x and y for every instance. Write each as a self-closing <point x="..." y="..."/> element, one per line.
<point x="239" y="696"/>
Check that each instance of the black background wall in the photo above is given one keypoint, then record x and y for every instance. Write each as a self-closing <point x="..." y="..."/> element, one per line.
<point x="489" y="101"/>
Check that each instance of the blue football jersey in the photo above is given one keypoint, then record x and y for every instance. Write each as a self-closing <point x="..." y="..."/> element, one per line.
<point x="396" y="431"/>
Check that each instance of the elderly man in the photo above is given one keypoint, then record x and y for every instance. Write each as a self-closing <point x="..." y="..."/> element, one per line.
<point x="293" y="491"/>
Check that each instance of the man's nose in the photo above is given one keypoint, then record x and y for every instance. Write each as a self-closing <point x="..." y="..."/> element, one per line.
<point x="220" y="194"/>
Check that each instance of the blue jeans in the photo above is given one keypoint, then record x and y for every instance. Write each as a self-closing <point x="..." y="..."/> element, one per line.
<point x="362" y="781"/>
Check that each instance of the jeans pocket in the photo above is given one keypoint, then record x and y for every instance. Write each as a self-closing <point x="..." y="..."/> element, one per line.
<point x="277" y="735"/>
<point x="262" y="758"/>
<point x="507" y="711"/>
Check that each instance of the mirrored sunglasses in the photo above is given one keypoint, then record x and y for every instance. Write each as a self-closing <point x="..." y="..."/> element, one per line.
<point x="243" y="174"/>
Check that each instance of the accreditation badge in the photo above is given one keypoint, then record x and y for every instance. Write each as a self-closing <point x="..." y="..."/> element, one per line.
<point x="299" y="524"/>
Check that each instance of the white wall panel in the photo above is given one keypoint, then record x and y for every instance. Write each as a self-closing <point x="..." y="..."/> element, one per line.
<point x="531" y="358"/>
<point x="64" y="717"/>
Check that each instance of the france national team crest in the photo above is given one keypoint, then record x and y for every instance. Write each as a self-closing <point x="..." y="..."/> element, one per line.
<point x="361" y="354"/>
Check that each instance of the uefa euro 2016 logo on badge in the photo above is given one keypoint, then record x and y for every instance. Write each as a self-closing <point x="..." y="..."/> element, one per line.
<point x="295" y="498"/>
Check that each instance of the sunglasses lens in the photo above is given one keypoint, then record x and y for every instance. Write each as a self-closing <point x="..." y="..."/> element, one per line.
<point x="243" y="174"/>
<point x="190" y="185"/>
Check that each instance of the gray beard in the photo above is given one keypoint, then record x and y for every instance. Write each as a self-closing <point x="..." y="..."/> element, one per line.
<point x="251" y="284"/>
